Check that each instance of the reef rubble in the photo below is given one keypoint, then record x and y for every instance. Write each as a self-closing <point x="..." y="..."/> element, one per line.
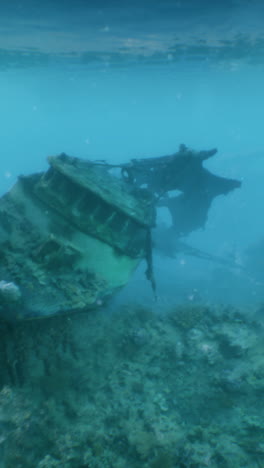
<point x="133" y="388"/>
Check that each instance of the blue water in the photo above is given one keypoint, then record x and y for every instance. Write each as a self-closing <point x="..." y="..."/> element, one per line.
<point x="172" y="383"/>
<point x="123" y="80"/>
<point x="118" y="113"/>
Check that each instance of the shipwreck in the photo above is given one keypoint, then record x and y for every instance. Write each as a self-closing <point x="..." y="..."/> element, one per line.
<point x="72" y="236"/>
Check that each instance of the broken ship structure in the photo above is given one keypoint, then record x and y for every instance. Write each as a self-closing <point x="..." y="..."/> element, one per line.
<point x="72" y="236"/>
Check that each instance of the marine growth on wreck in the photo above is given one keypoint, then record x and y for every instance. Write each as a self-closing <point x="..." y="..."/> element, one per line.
<point x="72" y="236"/>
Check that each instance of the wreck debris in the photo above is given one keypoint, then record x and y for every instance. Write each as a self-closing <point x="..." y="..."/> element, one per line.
<point x="183" y="172"/>
<point x="71" y="237"/>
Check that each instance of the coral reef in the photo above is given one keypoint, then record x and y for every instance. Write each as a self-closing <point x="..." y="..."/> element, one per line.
<point x="134" y="388"/>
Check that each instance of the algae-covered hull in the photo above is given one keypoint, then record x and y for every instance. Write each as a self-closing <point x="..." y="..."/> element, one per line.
<point x="69" y="238"/>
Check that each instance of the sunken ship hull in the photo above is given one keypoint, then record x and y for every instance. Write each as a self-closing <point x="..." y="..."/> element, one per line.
<point x="69" y="239"/>
<point x="72" y="236"/>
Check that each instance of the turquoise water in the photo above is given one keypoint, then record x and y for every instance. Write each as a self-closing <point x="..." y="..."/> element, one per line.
<point x="175" y="383"/>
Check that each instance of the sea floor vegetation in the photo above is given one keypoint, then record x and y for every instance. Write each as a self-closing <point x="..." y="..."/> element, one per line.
<point x="133" y="388"/>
